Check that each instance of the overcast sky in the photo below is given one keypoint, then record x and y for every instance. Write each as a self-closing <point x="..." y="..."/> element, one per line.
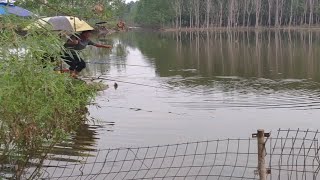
<point x="127" y="1"/>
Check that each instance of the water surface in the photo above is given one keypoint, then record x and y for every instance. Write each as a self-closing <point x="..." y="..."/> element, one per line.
<point x="181" y="87"/>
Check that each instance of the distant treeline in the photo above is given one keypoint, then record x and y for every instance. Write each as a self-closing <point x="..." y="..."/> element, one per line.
<point x="225" y="13"/>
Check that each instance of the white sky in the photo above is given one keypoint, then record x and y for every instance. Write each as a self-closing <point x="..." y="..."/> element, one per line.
<point x="12" y="1"/>
<point x="127" y="1"/>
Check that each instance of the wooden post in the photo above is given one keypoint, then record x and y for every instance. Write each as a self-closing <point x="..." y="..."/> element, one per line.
<point x="261" y="155"/>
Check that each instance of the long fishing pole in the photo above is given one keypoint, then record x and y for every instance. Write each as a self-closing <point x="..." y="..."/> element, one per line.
<point x="139" y="84"/>
<point x="126" y="82"/>
<point x="164" y="87"/>
<point x="150" y="111"/>
<point x="88" y="62"/>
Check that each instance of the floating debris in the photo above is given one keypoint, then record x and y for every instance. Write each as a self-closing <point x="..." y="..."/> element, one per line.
<point x="115" y="85"/>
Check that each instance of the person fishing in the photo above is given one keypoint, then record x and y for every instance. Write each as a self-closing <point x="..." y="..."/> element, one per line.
<point x="75" y="44"/>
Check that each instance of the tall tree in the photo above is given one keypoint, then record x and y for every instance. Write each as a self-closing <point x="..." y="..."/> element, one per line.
<point x="291" y="12"/>
<point x="177" y="6"/>
<point x="221" y="12"/>
<point x="206" y="13"/>
<point x="197" y="12"/>
<point x="208" y="9"/>
<point x="277" y="13"/>
<point x="258" y="9"/>
<point x="270" y="3"/>
<point x="311" y="7"/>
<point x="154" y="13"/>
<point x="231" y="14"/>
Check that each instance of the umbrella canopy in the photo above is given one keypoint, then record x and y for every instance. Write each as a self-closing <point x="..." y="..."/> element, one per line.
<point x="63" y="23"/>
<point x="6" y="9"/>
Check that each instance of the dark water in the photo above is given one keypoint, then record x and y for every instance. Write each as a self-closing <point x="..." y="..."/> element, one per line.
<point x="181" y="87"/>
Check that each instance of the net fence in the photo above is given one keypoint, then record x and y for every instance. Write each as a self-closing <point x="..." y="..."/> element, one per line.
<point x="290" y="154"/>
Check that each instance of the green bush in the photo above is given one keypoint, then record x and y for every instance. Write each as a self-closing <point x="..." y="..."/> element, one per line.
<point x="38" y="107"/>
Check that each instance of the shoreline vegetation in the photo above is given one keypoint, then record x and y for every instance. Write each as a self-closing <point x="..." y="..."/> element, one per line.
<point x="196" y="15"/>
<point x="284" y="28"/>
<point x="40" y="108"/>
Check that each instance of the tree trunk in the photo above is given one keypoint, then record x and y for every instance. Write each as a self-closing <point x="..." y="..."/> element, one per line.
<point x="249" y="11"/>
<point x="281" y="13"/>
<point x="177" y="9"/>
<point x="245" y="9"/>
<point x="190" y="11"/>
<point x="191" y="21"/>
<point x="237" y="13"/>
<point x="197" y="13"/>
<point x="230" y="16"/>
<point x="214" y="15"/>
<point x="180" y="18"/>
<point x="311" y="4"/>
<point x="258" y="8"/>
<point x="221" y="13"/>
<point x="291" y="12"/>
<point x="208" y="13"/>
<point x="305" y="12"/>
<point x="276" y="23"/>
<point x="269" y="11"/>
<point x="180" y="13"/>
<point x="316" y="15"/>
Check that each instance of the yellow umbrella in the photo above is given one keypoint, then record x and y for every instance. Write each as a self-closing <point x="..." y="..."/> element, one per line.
<point x="62" y="23"/>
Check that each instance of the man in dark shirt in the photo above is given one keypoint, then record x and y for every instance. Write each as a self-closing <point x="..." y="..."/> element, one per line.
<point x="75" y="44"/>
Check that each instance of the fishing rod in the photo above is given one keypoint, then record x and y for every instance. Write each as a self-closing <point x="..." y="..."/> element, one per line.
<point x="126" y="82"/>
<point x="88" y="62"/>
<point x="150" y="111"/>
<point x="164" y="87"/>
<point x="139" y="84"/>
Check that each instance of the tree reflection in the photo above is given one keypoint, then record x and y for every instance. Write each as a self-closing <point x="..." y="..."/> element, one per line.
<point x="274" y="54"/>
<point x="79" y="145"/>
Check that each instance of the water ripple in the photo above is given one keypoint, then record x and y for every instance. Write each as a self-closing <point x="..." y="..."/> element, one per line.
<point x="234" y="92"/>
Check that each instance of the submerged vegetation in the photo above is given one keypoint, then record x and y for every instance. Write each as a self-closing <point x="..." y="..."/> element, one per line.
<point x="38" y="107"/>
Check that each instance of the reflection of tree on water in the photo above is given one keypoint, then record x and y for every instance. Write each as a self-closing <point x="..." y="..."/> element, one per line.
<point x="80" y="144"/>
<point x="269" y="54"/>
<point x="97" y="55"/>
<point x="120" y="51"/>
<point x="101" y="60"/>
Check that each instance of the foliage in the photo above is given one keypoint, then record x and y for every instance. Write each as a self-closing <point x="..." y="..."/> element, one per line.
<point x="153" y="12"/>
<point x="129" y="12"/>
<point x="187" y="13"/>
<point x="38" y="107"/>
<point x="85" y="9"/>
<point x="227" y="13"/>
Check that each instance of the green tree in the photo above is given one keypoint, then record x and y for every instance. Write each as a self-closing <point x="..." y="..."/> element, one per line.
<point x="154" y="13"/>
<point x="81" y="8"/>
<point x="38" y="107"/>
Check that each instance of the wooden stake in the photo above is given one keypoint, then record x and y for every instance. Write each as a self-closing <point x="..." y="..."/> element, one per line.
<point x="261" y="155"/>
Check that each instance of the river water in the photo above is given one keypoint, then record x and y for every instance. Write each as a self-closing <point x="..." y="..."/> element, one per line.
<point x="182" y="87"/>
